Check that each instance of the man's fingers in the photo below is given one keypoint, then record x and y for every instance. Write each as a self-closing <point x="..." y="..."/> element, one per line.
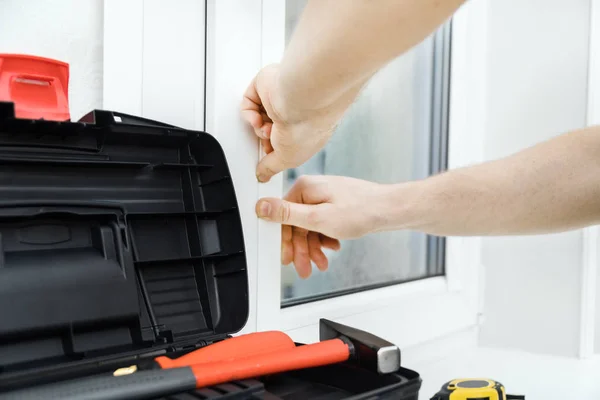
<point x="266" y="129"/>
<point x="287" y="253"/>
<point x="287" y="249"/>
<point x="315" y="252"/>
<point x="287" y="213"/>
<point x="329" y="243"/>
<point x="261" y="128"/>
<point x="253" y="111"/>
<point x="253" y="117"/>
<point x="301" y="253"/>
<point x="251" y="93"/>
<point x="266" y="146"/>
<point x="270" y="165"/>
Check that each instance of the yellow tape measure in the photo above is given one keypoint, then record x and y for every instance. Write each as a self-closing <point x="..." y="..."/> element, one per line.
<point x="474" y="389"/>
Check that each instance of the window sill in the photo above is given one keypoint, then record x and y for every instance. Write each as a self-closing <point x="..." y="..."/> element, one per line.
<point x="407" y="314"/>
<point x="534" y="375"/>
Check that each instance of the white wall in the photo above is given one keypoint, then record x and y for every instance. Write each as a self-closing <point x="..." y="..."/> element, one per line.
<point x="67" y="30"/>
<point x="537" y="88"/>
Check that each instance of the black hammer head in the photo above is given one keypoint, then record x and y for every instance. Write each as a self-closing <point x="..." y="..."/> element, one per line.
<point x="368" y="350"/>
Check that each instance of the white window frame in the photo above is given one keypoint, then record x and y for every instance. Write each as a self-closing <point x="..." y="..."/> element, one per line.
<point x="589" y="330"/>
<point x="412" y="313"/>
<point x="241" y="37"/>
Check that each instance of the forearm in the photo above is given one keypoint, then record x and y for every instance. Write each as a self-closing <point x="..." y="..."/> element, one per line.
<point x="337" y="45"/>
<point x="554" y="186"/>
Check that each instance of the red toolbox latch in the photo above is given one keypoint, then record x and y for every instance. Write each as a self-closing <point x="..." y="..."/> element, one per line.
<point x="38" y="86"/>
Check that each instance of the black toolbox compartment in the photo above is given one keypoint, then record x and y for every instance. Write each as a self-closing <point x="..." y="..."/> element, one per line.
<point x="121" y="240"/>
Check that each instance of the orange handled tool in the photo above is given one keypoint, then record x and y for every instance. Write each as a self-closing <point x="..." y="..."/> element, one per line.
<point x="242" y="346"/>
<point x="307" y="356"/>
<point x="247" y="345"/>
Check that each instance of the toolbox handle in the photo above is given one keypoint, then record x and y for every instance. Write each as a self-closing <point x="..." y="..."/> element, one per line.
<point x="41" y="95"/>
<point x="34" y="79"/>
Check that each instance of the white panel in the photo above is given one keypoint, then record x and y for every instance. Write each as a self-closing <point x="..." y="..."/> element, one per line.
<point x="269" y="251"/>
<point x="173" y="53"/>
<point x="234" y="57"/>
<point x="590" y="320"/>
<point x="589" y="276"/>
<point x="467" y="119"/>
<point x="537" y="86"/>
<point x="597" y="315"/>
<point x="123" y="58"/>
<point x="590" y="334"/>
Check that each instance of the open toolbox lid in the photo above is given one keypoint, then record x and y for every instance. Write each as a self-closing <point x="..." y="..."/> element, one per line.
<point x="119" y="236"/>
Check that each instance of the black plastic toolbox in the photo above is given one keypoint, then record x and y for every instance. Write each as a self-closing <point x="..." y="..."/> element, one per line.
<point x="121" y="240"/>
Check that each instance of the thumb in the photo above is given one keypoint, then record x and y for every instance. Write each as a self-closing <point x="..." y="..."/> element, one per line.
<point x="287" y="213"/>
<point x="270" y="165"/>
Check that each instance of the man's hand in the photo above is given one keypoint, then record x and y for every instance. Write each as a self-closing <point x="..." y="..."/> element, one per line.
<point x="319" y="211"/>
<point x="289" y="135"/>
<point x="553" y="186"/>
<point x="294" y="107"/>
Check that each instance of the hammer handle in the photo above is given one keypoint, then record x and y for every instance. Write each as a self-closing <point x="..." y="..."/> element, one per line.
<point x="248" y="345"/>
<point x="307" y="356"/>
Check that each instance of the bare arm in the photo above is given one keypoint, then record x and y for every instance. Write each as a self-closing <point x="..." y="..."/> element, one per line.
<point x="553" y="186"/>
<point x="336" y="47"/>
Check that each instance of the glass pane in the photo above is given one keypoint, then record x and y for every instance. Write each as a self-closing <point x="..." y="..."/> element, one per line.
<point x="385" y="137"/>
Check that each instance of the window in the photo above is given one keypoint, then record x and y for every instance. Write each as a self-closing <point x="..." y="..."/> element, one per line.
<point x="442" y="296"/>
<point x="395" y="131"/>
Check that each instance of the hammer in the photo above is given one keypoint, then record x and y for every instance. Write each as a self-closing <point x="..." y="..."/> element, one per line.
<point x="339" y="343"/>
